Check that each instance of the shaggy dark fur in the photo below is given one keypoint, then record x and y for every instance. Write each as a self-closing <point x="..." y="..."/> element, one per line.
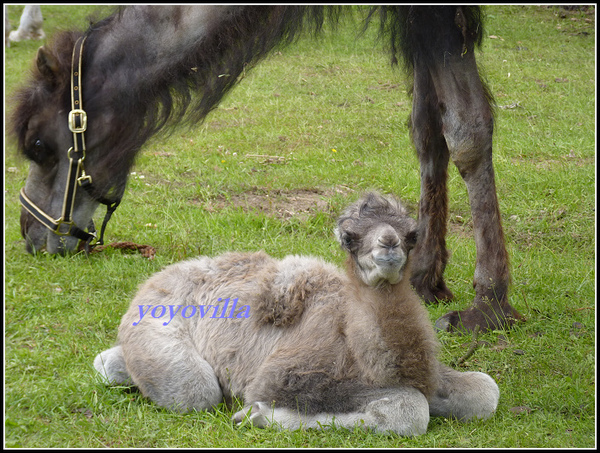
<point x="154" y="100"/>
<point x="135" y="84"/>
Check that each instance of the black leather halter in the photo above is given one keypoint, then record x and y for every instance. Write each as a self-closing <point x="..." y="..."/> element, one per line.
<point x="77" y="121"/>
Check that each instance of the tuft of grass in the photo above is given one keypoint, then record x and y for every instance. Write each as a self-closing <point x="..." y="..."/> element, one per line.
<point x="322" y="121"/>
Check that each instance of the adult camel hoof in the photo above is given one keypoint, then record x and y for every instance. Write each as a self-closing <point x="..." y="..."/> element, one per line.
<point x="433" y="295"/>
<point x="487" y="315"/>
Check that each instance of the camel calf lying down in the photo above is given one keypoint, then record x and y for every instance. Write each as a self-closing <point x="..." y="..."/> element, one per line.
<point x="305" y="345"/>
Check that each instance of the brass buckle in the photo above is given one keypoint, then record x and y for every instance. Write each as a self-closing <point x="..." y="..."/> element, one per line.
<point x="87" y="179"/>
<point x="60" y="222"/>
<point x="83" y="117"/>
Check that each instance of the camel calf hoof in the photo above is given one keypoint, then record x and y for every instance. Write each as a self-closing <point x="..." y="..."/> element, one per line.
<point x="256" y="414"/>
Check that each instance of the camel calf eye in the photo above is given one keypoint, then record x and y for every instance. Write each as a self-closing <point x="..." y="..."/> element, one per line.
<point x="350" y="241"/>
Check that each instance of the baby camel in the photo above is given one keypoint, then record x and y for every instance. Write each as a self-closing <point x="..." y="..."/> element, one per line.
<point x="303" y="344"/>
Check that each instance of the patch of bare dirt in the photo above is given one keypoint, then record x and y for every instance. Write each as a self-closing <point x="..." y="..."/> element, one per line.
<point x="280" y="203"/>
<point x="460" y="226"/>
<point x="572" y="158"/>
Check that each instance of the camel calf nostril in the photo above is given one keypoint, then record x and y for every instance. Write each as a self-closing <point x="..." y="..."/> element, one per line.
<point x="388" y="241"/>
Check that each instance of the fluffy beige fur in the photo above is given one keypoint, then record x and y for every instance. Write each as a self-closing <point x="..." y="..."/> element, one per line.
<point x="319" y="346"/>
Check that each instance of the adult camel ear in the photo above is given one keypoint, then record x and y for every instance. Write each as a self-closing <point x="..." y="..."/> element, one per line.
<point x="47" y="64"/>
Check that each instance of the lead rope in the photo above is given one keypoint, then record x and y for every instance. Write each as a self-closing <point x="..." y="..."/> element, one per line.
<point x="88" y="247"/>
<point x="147" y="251"/>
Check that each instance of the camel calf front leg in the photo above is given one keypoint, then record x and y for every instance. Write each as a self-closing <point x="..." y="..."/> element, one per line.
<point x="403" y="411"/>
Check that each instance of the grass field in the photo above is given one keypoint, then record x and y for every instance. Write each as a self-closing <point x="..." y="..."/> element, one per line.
<point x="301" y="137"/>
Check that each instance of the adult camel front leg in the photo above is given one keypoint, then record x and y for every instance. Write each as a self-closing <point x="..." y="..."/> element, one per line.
<point x="467" y="126"/>
<point x="430" y="254"/>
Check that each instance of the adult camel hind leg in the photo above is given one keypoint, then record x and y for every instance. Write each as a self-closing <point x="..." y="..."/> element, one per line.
<point x="452" y="117"/>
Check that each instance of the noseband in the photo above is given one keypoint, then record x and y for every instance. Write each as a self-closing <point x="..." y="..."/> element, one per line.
<point x="77" y="121"/>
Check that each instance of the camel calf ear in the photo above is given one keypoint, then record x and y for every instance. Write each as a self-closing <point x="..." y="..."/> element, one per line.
<point x="411" y="239"/>
<point x="47" y="64"/>
<point x="346" y="239"/>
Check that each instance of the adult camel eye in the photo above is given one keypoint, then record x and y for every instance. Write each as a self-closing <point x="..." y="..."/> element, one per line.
<point x="37" y="151"/>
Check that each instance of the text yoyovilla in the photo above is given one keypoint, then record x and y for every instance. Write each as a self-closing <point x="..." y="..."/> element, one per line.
<point x="187" y="311"/>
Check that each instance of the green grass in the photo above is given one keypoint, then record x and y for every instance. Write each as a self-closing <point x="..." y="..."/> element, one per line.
<point x="213" y="188"/>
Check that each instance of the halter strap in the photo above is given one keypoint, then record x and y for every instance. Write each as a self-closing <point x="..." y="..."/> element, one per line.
<point x="77" y="122"/>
